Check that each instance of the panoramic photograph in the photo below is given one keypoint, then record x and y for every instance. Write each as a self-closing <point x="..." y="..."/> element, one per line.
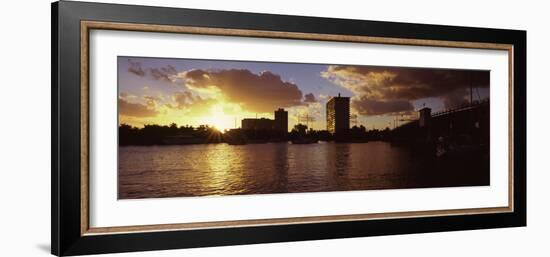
<point x="196" y="127"/>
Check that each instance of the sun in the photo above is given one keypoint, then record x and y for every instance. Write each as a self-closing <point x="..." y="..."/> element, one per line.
<point x="221" y="124"/>
<point x="219" y="119"/>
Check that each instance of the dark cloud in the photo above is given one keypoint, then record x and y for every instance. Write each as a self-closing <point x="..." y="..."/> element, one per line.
<point x="456" y="98"/>
<point x="134" y="109"/>
<point x="382" y="85"/>
<point x="309" y="98"/>
<point x="135" y="68"/>
<point x="164" y="73"/>
<point x="365" y="106"/>
<point x="262" y="92"/>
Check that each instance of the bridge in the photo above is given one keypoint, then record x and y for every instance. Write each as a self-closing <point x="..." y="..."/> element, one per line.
<point x="463" y="125"/>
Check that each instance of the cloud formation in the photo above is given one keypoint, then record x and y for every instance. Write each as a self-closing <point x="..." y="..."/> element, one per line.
<point x="263" y="92"/>
<point x="134" y="109"/>
<point x="309" y="98"/>
<point x="456" y="98"/>
<point x="381" y="90"/>
<point x="186" y="99"/>
<point x="364" y="105"/>
<point x="167" y="73"/>
<point x="183" y="99"/>
<point x="151" y="101"/>
<point x="135" y="68"/>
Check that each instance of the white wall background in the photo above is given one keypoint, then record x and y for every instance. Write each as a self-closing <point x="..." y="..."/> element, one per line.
<point x="25" y="128"/>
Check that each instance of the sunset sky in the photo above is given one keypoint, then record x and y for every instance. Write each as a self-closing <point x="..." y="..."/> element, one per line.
<point x="221" y="93"/>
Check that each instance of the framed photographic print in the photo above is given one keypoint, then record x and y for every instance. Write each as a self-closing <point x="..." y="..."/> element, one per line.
<point x="178" y="128"/>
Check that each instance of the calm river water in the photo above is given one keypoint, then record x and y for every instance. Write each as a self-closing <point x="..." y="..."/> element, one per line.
<point x="221" y="169"/>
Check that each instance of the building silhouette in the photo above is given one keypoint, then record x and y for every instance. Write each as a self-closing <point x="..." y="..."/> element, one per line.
<point x="280" y="123"/>
<point x="257" y="124"/>
<point x="425" y="115"/>
<point x="338" y="114"/>
<point x="281" y="120"/>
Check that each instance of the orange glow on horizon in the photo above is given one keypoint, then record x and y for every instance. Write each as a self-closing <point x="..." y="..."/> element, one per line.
<point x="219" y="119"/>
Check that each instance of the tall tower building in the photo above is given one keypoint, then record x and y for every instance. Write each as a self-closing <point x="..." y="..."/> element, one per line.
<point x="281" y="120"/>
<point x="338" y="115"/>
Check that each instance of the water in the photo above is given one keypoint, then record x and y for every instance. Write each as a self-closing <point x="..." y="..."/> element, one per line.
<point x="222" y="169"/>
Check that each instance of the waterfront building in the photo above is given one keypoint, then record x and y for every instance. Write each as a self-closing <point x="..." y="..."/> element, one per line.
<point x="280" y="123"/>
<point x="338" y="114"/>
<point x="281" y="120"/>
<point x="258" y="124"/>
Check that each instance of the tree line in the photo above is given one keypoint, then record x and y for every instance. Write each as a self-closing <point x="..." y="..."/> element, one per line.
<point x="153" y="134"/>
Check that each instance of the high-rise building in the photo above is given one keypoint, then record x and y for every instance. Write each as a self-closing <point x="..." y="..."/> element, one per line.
<point x="338" y="115"/>
<point x="281" y="120"/>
